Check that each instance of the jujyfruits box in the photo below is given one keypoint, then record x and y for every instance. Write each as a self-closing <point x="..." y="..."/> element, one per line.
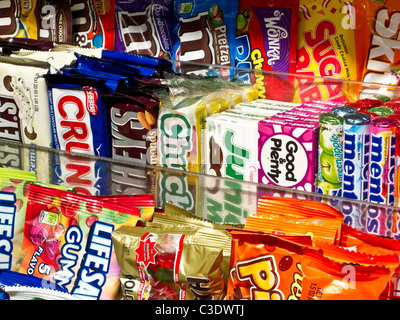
<point x="231" y="146"/>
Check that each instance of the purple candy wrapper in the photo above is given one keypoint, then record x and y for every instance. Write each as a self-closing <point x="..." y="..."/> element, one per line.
<point x="145" y="27"/>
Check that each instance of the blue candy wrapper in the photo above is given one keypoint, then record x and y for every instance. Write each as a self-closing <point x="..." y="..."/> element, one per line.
<point x="206" y="32"/>
<point x="78" y="117"/>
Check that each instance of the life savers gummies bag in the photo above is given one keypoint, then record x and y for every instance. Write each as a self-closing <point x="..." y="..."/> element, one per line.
<point x="14" y="190"/>
<point x="266" y="39"/>
<point x="67" y="239"/>
<point x="164" y="264"/>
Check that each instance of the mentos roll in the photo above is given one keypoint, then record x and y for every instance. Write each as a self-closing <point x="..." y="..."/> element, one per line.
<point x="355" y="163"/>
<point x="330" y="154"/>
<point x="381" y="173"/>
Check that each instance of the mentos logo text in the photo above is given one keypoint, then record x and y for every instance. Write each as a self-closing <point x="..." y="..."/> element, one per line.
<point x="350" y="167"/>
<point x="175" y="132"/>
<point x="72" y="109"/>
<point x="7" y="216"/>
<point x="376" y="170"/>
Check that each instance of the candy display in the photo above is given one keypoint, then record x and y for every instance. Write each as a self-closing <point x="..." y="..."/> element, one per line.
<point x="199" y="150"/>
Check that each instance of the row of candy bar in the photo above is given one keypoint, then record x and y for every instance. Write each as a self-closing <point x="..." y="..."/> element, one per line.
<point x="352" y="40"/>
<point x="57" y="244"/>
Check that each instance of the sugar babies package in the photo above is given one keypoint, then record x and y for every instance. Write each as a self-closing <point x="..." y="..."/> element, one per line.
<point x="67" y="240"/>
<point x="93" y="23"/>
<point x="266" y="39"/>
<point x="327" y="32"/>
<point x="145" y="27"/>
<point x="206" y="34"/>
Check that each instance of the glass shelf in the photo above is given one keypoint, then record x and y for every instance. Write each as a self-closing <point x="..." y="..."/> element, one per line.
<point x="219" y="199"/>
<point x="222" y="200"/>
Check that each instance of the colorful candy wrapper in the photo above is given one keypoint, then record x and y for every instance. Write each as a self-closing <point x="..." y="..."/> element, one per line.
<point x="300" y="217"/>
<point x="14" y="193"/>
<point x="264" y="267"/>
<point x="342" y="111"/>
<point x="381" y="174"/>
<point x="266" y="39"/>
<point x="78" y="115"/>
<point x="93" y="23"/>
<point x="67" y="240"/>
<point x="206" y="34"/>
<point x="145" y="27"/>
<point x="356" y="154"/>
<point x="162" y="263"/>
<point x="326" y="279"/>
<point x="326" y="34"/>
<point x="381" y="40"/>
<point x="381" y="111"/>
<point x="330" y="154"/>
<point x="56" y="21"/>
<point x="133" y="121"/>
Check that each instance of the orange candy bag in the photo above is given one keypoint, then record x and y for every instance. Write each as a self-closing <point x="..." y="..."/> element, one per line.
<point x="296" y="217"/>
<point x="325" y="279"/>
<point x="264" y="267"/>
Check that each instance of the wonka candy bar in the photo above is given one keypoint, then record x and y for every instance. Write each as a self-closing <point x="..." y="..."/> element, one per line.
<point x="330" y="154"/>
<point x="78" y="116"/>
<point x="145" y="27"/>
<point x="266" y="39"/>
<point x="92" y="28"/>
<point x="206" y="33"/>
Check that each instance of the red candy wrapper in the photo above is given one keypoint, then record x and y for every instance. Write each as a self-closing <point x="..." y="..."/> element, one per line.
<point x="67" y="239"/>
<point x="266" y="36"/>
